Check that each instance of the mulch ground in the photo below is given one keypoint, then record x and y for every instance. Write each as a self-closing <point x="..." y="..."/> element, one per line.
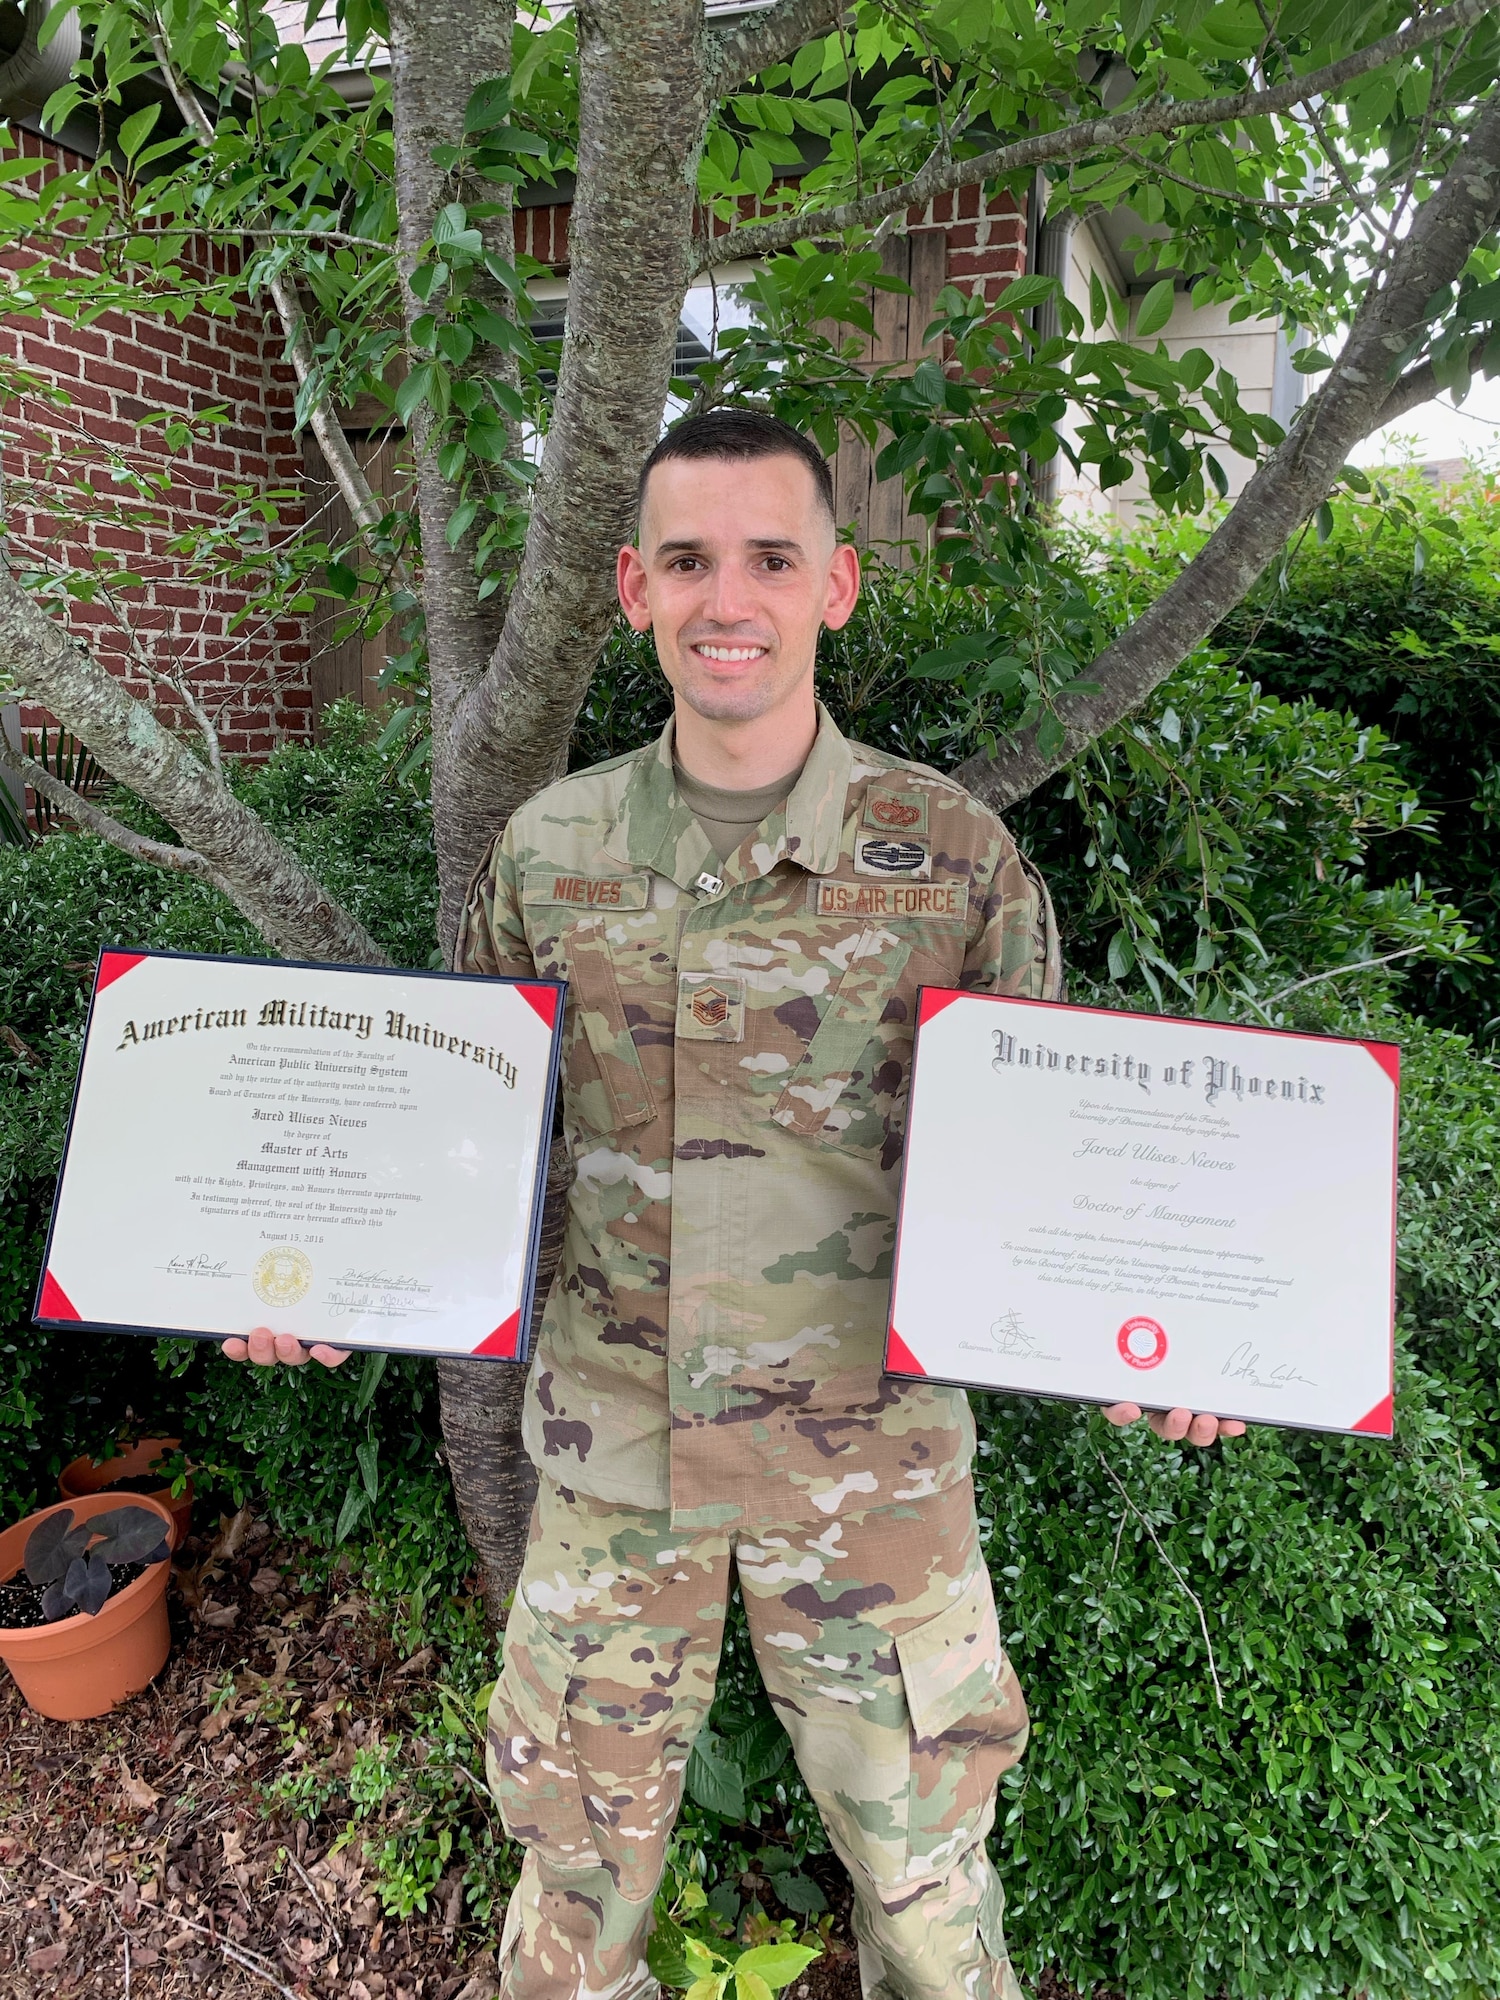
<point x="137" y="1858"/>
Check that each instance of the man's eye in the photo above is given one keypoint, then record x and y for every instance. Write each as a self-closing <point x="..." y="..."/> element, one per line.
<point x="777" y="563"/>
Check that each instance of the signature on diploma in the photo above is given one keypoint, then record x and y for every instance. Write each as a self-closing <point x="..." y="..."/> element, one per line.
<point x="382" y="1281"/>
<point x="199" y="1267"/>
<point x="1009" y="1337"/>
<point x="1244" y="1365"/>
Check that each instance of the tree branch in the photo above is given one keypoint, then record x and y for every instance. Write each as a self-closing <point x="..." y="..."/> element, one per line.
<point x="1419" y="385"/>
<point x="182" y="860"/>
<point x="365" y="510"/>
<point x="771" y="36"/>
<point x="262" y="877"/>
<point x="1284" y="491"/>
<point x="1089" y="135"/>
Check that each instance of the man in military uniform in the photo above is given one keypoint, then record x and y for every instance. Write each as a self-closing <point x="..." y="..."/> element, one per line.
<point x="744" y="911"/>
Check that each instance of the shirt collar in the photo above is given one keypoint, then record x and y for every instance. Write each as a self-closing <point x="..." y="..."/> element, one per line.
<point x="655" y="829"/>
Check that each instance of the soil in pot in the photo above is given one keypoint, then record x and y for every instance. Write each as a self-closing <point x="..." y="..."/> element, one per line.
<point x="21" y="1600"/>
<point x="138" y="1482"/>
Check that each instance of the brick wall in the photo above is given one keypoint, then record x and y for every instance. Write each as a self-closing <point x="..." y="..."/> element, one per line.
<point x="253" y="681"/>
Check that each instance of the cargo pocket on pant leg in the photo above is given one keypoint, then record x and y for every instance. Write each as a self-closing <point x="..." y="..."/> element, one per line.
<point x="528" y="1754"/>
<point x="968" y="1726"/>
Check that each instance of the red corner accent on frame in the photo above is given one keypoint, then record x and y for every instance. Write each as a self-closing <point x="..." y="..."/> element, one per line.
<point x="543" y="1000"/>
<point x="114" y="965"/>
<point x="54" y="1302"/>
<point x="934" y="999"/>
<point x="1389" y="1057"/>
<point x="504" y="1341"/>
<point x="1379" y="1422"/>
<point x="899" y="1359"/>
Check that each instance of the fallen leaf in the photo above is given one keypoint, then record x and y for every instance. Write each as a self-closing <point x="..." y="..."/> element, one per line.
<point x="234" y="1850"/>
<point x="480" y="1987"/>
<point x="136" y="1790"/>
<point x="143" y="1955"/>
<point x="219" y="1616"/>
<point x="265" y="1580"/>
<point x="417" y="1661"/>
<point x="231" y="1536"/>
<point x="358" y="1990"/>
<point x="48" y="1959"/>
<point x="215" y="1724"/>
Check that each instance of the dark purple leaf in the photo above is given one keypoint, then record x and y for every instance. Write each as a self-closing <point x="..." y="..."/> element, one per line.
<point x="45" y="1562"/>
<point x="88" y="1582"/>
<point x="127" y="1533"/>
<point x="56" y="1602"/>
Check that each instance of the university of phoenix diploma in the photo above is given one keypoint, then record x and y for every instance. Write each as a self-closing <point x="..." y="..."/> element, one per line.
<point x="1128" y="1208"/>
<point x="350" y="1156"/>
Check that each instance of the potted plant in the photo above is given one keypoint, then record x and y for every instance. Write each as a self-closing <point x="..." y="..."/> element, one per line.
<point x="83" y="1603"/>
<point x="132" y="1469"/>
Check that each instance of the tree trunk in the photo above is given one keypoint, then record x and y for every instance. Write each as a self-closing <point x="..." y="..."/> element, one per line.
<point x="643" y="110"/>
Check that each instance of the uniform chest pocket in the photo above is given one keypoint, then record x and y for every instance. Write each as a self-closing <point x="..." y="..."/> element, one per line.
<point x="809" y="1105"/>
<point x="603" y="1023"/>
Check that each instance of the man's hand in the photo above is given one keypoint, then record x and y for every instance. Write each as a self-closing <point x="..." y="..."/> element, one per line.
<point x="1175" y="1425"/>
<point x="265" y="1349"/>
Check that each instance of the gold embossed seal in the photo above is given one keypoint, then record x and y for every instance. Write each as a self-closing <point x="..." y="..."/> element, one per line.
<point x="282" y="1276"/>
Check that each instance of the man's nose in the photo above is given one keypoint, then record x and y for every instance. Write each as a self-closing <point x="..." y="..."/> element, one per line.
<point x="730" y="597"/>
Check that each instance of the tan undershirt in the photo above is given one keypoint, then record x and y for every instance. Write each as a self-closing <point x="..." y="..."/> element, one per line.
<point x="728" y="818"/>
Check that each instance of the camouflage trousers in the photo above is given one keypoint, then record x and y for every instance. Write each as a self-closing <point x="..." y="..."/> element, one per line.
<point x="877" y="1639"/>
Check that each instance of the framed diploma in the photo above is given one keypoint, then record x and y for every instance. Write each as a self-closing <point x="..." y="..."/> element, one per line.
<point x="1132" y="1208"/>
<point x="348" y="1155"/>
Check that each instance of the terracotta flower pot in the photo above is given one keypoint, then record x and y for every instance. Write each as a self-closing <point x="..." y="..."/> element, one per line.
<point x="82" y="1666"/>
<point x="83" y="1476"/>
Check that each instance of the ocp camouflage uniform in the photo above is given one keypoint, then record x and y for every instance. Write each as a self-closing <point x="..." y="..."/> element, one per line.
<point x="707" y="1383"/>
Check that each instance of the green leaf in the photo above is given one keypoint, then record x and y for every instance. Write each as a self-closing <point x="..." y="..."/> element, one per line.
<point x="666" y="1952"/>
<point x="777" y="1964"/>
<point x="53" y="22"/>
<point x="354" y="1505"/>
<point x="1323" y="522"/>
<point x="1155" y="309"/>
<point x="799" y="1892"/>
<point x="460" y="521"/>
<point x="713" y="1782"/>
<point x="1050" y="735"/>
<point x="749" y="1985"/>
<point x="137" y="129"/>
<point x="488" y="105"/>
<point x="1310" y="360"/>
<point x="375" y="1364"/>
<point x="1121" y="955"/>
<point x="1023" y="293"/>
<point x="1169" y="727"/>
<point x="415" y="390"/>
<point x="367" y="1455"/>
<point x="1098" y="302"/>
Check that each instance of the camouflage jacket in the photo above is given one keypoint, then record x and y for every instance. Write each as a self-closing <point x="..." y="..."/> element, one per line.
<point x="737" y="1049"/>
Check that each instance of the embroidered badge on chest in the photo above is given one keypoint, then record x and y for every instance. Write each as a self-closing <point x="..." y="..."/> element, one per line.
<point x="710" y="1008"/>
<point x="901" y="814"/>
<point x="878" y="854"/>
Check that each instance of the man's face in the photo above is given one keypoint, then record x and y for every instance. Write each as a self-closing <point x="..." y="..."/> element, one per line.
<point x="737" y="569"/>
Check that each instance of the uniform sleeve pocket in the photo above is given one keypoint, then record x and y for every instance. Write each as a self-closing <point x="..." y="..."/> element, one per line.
<point x="953" y="1666"/>
<point x="601" y="1015"/>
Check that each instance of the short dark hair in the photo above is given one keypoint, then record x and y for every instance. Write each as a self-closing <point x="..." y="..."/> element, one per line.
<point x="739" y="434"/>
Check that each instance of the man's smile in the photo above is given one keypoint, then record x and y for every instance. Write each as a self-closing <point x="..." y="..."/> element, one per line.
<point x="728" y="655"/>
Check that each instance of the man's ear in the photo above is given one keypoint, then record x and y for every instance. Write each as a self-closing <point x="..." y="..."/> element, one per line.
<point x="843" y="587"/>
<point x="630" y="582"/>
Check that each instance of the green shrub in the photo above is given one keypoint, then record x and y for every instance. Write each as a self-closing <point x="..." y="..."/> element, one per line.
<point x="1395" y="617"/>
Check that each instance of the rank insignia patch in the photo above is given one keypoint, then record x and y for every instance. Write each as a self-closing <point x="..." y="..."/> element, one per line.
<point x="874" y="855"/>
<point x="898" y="813"/>
<point x="710" y="1008"/>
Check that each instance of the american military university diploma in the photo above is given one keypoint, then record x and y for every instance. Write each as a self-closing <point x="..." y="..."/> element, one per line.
<point x="351" y="1156"/>
<point x="1130" y="1208"/>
